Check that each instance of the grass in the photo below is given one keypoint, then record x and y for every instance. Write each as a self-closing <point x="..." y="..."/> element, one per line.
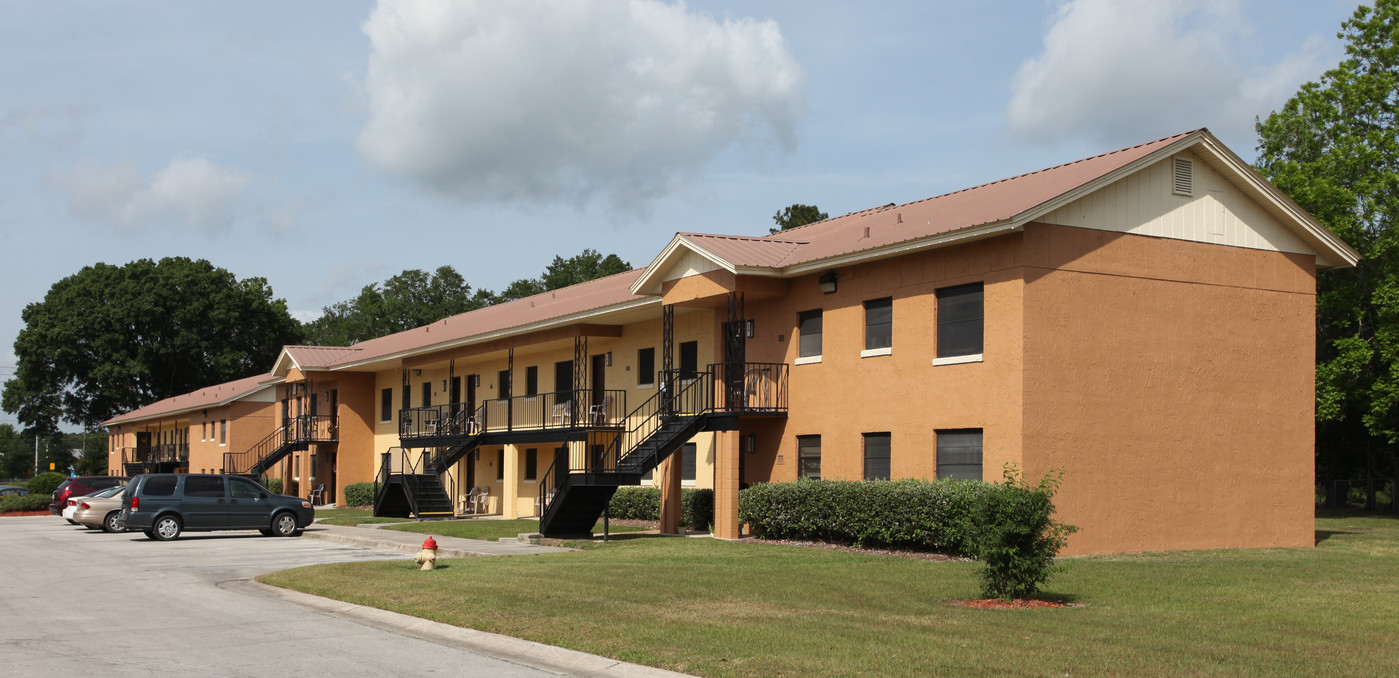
<point x="487" y="529"/>
<point x="718" y="608"/>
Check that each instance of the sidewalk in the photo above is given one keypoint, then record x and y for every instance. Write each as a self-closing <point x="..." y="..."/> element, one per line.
<point x="412" y="542"/>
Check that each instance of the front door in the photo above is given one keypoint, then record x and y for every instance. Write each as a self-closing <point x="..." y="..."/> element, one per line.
<point x="598" y="375"/>
<point x="563" y="380"/>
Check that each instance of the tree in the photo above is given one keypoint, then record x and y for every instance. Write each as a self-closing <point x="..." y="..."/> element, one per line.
<point x="410" y="299"/>
<point x="586" y="265"/>
<point x="1334" y="148"/>
<point x="109" y="339"/>
<point x="796" y="215"/>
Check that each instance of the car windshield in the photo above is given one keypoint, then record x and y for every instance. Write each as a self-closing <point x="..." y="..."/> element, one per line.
<point x="109" y="492"/>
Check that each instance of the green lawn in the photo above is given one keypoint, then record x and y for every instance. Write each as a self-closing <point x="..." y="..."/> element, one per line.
<point x="487" y="529"/>
<point x="719" y="608"/>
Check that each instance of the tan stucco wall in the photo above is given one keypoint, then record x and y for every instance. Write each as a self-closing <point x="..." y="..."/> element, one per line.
<point x="844" y="396"/>
<point x="1173" y="383"/>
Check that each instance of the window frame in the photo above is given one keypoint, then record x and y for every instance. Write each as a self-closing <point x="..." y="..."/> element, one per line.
<point x="646" y="367"/>
<point x="944" y="435"/>
<point x="888" y="454"/>
<point x="804" y="318"/>
<point x="223" y="432"/>
<point x="949" y="352"/>
<point x="386" y="405"/>
<point x="886" y="304"/>
<point x="804" y="448"/>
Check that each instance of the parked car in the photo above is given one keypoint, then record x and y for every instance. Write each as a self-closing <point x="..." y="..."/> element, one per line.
<point x="165" y="504"/>
<point x="79" y="486"/>
<point x="13" y="491"/>
<point x="101" y="510"/>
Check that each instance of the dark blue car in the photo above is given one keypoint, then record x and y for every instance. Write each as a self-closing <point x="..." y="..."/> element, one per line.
<point x="165" y="504"/>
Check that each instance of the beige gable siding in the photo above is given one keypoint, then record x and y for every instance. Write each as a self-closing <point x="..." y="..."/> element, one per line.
<point x="690" y="263"/>
<point x="1143" y="204"/>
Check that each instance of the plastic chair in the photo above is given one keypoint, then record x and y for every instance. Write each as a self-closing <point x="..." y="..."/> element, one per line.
<point x="317" y="494"/>
<point x="480" y="504"/>
<point x="598" y="413"/>
<point x="469" y="499"/>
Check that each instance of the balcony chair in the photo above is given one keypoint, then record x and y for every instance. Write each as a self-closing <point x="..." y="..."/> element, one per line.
<point x="560" y="414"/>
<point x="598" y="413"/>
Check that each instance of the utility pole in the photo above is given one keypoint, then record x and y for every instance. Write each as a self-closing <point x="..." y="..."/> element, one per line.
<point x="36" y="454"/>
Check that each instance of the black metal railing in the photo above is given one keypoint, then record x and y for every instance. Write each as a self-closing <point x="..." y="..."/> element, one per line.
<point x="301" y="430"/>
<point x="401" y="462"/>
<point x="155" y="454"/>
<point x="543" y="411"/>
<point x="752" y="387"/>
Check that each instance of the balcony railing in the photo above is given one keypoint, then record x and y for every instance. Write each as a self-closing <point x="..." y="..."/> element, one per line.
<point x="155" y="454"/>
<point x="543" y="411"/>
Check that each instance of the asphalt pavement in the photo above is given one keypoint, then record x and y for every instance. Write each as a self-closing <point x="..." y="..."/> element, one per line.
<point x="77" y="601"/>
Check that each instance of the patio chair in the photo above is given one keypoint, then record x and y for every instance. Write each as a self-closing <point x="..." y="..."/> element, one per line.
<point x="541" y="502"/>
<point x="560" y="414"/>
<point x="480" y="503"/>
<point x="468" y="500"/>
<point x="317" y="494"/>
<point x="598" y="413"/>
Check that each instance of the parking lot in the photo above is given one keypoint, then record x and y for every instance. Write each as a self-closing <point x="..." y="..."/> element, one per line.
<point x="79" y="601"/>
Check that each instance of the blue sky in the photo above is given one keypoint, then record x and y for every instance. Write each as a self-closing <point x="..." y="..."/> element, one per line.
<point x="326" y="145"/>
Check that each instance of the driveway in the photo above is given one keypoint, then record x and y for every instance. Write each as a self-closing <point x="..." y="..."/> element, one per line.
<point x="81" y="602"/>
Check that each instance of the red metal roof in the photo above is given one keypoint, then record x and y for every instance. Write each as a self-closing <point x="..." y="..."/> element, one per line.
<point x="210" y="396"/>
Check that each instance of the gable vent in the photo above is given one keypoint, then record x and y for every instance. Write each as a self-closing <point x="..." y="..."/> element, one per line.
<point x="1183" y="178"/>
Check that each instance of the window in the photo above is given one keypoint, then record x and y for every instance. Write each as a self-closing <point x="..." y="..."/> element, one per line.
<point x="204" y="431"/>
<point x="407" y="397"/>
<point x="689" y="360"/>
<point x="563" y="380"/>
<point x="876" y="456"/>
<point x="960" y="321"/>
<point x="809" y="457"/>
<point x="503" y="381"/>
<point x="959" y="453"/>
<point x="204" y="486"/>
<point x="159" y="486"/>
<point x="239" y="488"/>
<point x="646" y="367"/>
<point x="427" y="394"/>
<point x="532" y="380"/>
<point x="879" y="326"/>
<point x="531" y="463"/>
<point x="687" y="463"/>
<point x="809" y="331"/>
<point x="386" y="405"/>
<point x="500" y="464"/>
<point x="223" y="431"/>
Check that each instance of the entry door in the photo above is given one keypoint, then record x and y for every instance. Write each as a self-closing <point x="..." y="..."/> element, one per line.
<point x="471" y="393"/>
<point x="455" y="394"/>
<point x="563" y="380"/>
<point x="598" y="376"/>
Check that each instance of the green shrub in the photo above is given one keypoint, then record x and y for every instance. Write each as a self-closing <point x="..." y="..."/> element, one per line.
<point x="31" y="502"/>
<point x="635" y="503"/>
<point x="46" y="483"/>
<point x="917" y="514"/>
<point x="644" y="503"/>
<point x="1012" y="532"/>
<point x="359" y="494"/>
<point x="273" y="485"/>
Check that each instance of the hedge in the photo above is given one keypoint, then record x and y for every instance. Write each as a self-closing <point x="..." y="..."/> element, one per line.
<point x="46" y="483"/>
<point x="30" y="502"/>
<point x="273" y="485"/>
<point x="359" y="494"/>
<point x="918" y="514"/>
<point x="644" y="503"/>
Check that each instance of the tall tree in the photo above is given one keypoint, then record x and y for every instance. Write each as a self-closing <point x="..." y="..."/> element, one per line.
<point x="410" y="299"/>
<point x="109" y="339"/>
<point x="580" y="268"/>
<point x="1334" y="147"/>
<point x="796" y="215"/>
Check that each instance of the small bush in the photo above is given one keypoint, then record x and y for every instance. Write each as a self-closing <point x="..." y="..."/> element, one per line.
<point x="32" y="502"/>
<point x="1011" y="530"/>
<point x="359" y="494"/>
<point x="46" y="483"/>
<point x="644" y="503"/>
<point x="273" y="485"/>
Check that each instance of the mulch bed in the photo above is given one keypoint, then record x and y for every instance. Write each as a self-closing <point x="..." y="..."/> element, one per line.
<point x="17" y="514"/>
<point x="1017" y="604"/>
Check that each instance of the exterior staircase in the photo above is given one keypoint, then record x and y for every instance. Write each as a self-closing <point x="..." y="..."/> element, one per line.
<point x="296" y="435"/>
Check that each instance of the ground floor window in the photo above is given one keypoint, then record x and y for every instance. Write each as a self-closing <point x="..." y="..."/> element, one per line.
<point x="531" y="463"/>
<point x="687" y="463"/>
<point x="809" y="457"/>
<point x="959" y="453"/>
<point x="876" y="456"/>
<point x="500" y="464"/>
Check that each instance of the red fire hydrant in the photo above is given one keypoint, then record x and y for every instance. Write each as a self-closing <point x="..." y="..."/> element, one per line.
<point x="428" y="556"/>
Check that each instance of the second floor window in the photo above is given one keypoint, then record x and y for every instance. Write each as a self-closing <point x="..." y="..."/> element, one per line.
<point x="646" y="367"/>
<point x="879" y="323"/>
<point x="386" y="405"/>
<point x="809" y="334"/>
<point x="532" y="380"/>
<point x="961" y="318"/>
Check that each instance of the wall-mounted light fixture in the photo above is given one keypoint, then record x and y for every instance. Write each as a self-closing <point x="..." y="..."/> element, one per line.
<point x="751" y="443"/>
<point x="444" y="384"/>
<point x="417" y="373"/>
<point x="609" y="359"/>
<point x="748" y="328"/>
<point x="827" y="282"/>
<point x="475" y="380"/>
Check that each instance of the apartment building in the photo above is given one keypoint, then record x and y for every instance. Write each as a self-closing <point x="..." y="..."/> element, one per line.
<point x="1142" y="320"/>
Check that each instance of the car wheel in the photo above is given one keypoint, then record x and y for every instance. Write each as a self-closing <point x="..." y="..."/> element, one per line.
<point x="112" y="523"/>
<point x="267" y="532"/>
<point x="166" y="527"/>
<point x="284" y="525"/>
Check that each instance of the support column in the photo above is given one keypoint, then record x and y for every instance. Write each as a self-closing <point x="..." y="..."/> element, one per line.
<point x="727" y="455"/>
<point x="669" y="472"/>
<point x="510" y="494"/>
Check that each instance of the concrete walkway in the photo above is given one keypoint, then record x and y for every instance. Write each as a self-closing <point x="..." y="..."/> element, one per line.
<point x="412" y="542"/>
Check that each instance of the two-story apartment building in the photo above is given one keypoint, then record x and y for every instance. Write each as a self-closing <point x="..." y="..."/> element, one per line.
<point x="1142" y="320"/>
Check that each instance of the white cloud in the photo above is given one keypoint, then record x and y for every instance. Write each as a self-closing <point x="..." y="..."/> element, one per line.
<point x="562" y="101"/>
<point x="189" y="192"/>
<point x="1124" y="72"/>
